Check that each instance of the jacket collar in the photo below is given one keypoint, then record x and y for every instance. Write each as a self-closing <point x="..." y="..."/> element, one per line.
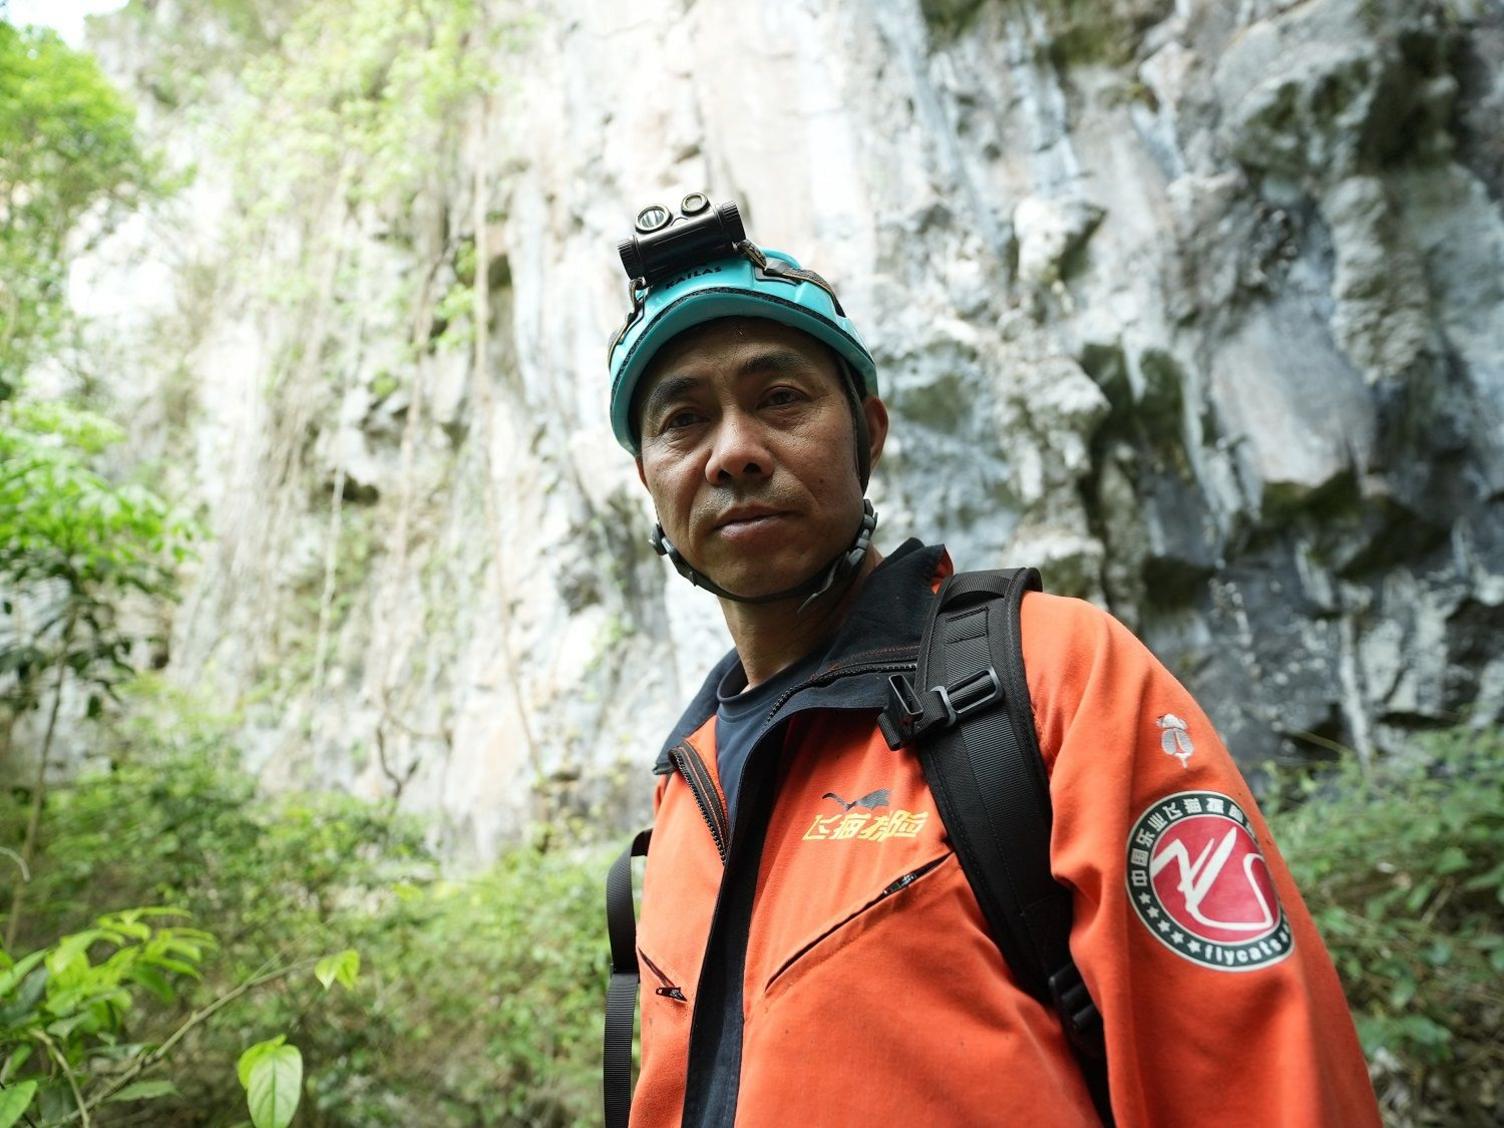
<point x="885" y="622"/>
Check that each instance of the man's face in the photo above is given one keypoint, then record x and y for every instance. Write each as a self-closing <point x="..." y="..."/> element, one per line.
<point x="748" y="449"/>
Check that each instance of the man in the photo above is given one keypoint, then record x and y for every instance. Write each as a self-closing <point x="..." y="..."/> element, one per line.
<point x="812" y="951"/>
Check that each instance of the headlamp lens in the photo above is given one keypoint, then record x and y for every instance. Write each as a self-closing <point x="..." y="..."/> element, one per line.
<point x="653" y="217"/>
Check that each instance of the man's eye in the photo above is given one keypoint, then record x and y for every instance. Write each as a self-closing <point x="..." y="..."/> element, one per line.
<point x="677" y="420"/>
<point x="781" y="397"/>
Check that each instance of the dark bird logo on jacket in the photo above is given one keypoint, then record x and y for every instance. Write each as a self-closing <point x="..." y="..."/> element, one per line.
<point x="870" y="801"/>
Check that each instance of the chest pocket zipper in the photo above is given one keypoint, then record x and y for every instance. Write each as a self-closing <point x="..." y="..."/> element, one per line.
<point x="890" y="890"/>
<point x="906" y="880"/>
<point x="668" y="990"/>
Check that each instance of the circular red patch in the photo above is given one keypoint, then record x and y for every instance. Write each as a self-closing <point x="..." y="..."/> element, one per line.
<point x="1200" y="885"/>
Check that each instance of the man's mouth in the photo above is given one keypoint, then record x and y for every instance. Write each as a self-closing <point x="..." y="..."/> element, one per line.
<point x="748" y="517"/>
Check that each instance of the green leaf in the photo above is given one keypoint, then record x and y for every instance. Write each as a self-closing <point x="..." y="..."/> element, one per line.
<point x="14" y="975"/>
<point x="1452" y="860"/>
<point x="275" y="1087"/>
<point x="146" y="1090"/>
<point x="252" y="1055"/>
<point x="14" y="1102"/>
<point x="154" y="981"/>
<point x="14" y="1063"/>
<point x="342" y="967"/>
<point x="179" y="966"/>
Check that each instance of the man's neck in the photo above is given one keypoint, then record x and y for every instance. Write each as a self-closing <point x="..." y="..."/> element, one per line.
<point x="771" y="637"/>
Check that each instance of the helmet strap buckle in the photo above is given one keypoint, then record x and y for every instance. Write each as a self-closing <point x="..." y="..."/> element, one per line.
<point x="752" y="253"/>
<point x="637" y="294"/>
<point x="830" y="578"/>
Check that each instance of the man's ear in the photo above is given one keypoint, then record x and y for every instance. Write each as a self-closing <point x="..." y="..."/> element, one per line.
<point x="877" y="426"/>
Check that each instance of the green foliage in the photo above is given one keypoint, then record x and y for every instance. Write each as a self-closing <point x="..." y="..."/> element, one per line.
<point x="14" y="1101"/>
<point x="493" y="989"/>
<point x="353" y="109"/>
<point x="477" y="1001"/>
<point x="60" y="519"/>
<point x="1405" y="877"/>
<point x="271" y="1073"/>
<point x="67" y="147"/>
<point x="356" y="99"/>
<point x="471" y="1001"/>
<point x="64" y="1009"/>
<point x="73" y="547"/>
<point x="73" y="544"/>
<point x="341" y="968"/>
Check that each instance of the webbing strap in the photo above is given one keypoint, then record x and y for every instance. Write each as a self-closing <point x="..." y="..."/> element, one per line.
<point x="989" y="783"/>
<point x="621" y="993"/>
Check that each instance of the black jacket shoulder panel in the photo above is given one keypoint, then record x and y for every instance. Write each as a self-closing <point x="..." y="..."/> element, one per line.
<point x="888" y="615"/>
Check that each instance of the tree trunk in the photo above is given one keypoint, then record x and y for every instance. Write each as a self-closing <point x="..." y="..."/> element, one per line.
<point x="39" y="793"/>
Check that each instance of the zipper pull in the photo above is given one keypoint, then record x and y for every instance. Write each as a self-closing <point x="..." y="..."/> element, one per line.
<point x="909" y="878"/>
<point x="671" y="993"/>
<point x="902" y="883"/>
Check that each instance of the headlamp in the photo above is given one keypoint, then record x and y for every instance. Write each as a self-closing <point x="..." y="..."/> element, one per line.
<point x="665" y="245"/>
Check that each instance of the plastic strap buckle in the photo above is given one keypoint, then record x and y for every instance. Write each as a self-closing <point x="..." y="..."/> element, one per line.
<point x="982" y="688"/>
<point x="910" y="715"/>
<point x="1078" y="1014"/>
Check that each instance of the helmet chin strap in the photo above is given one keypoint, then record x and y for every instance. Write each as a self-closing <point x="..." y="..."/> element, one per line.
<point x="832" y="577"/>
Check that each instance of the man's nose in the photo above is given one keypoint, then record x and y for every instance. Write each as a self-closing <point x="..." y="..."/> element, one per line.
<point x="737" y="451"/>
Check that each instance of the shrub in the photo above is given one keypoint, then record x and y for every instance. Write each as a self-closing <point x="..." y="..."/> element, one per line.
<point x="478" y="1000"/>
<point x="1404" y="874"/>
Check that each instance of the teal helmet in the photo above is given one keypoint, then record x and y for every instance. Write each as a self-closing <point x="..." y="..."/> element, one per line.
<point x="699" y="267"/>
<point x="751" y="282"/>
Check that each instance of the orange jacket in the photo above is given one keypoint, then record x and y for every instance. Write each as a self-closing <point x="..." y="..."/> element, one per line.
<point x="827" y="963"/>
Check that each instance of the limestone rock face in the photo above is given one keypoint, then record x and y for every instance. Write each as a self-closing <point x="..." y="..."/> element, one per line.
<point x="1197" y="306"/>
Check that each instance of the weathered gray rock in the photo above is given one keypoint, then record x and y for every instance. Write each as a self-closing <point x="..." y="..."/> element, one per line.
<point x="1381" y="320"/>
<point x="1049" y="232"/>
<point x="1199" y="306"/>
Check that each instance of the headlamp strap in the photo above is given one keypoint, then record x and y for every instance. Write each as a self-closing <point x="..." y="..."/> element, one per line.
<point x="776" y="270"/>
<point x="637" y="293"/>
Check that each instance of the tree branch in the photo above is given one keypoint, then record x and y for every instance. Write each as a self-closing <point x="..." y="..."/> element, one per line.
<point x="57" y="1056"/>
<point x="155" y="1057"/>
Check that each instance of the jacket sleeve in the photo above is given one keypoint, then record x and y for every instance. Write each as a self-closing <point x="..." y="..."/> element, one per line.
<point x="1219" y="1001"/>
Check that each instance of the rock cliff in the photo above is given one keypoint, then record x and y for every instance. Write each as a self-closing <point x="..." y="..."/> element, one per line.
<point x="1198" y="306"/>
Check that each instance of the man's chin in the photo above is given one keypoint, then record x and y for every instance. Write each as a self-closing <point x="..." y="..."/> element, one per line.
<point x="753" y="578"/>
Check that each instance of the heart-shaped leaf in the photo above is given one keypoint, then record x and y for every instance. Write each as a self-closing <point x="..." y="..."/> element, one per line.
<point x="276" y="1085"/>
<point x="252" y="1055"/>
<point x="341" y="968"/>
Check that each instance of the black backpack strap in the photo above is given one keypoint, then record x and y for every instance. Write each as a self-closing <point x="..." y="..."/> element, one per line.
<point x="621" y="994"/>
<point x="973" y="728"/>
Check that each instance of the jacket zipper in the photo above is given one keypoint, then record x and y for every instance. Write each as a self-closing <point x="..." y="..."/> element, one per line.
<point x="836" y="675"/>
<point x="668" y="990"/>
<point x="693" y="769"/>
<point x="712" y="1078"/>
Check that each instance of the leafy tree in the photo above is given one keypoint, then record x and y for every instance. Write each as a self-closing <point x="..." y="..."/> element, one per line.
<point x="73" y="547"/>
<point x="68" y="148"/>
